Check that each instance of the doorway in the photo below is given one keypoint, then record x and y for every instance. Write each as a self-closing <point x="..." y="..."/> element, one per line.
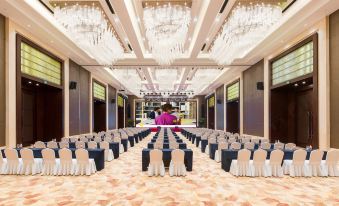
<point x="232" y="116"/>
<point x="121" y="117"/>
<point x="211" y="118"/>
<point x="99" y="116"/>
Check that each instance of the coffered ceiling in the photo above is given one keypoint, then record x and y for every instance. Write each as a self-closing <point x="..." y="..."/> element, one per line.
<point x="194" y="72"/>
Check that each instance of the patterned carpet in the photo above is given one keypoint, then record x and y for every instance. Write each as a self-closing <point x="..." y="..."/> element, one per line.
<point x="122" y="183"/>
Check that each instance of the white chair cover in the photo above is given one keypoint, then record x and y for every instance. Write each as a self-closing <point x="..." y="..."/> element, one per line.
<point x="296" y="167"/>
<point x="177" y="165"/>
<point x="241" y="166"/>
<point x="231" y="140"/>
<point x="290" y="146"/>
<point x="255" y="141"/>
<point x="52" y="145"/>
<point x="39" y="144"/>
<point x="83" y="139"/>
<point x="14" y="164"/>
<point x="97" y="139"/>
<point x="121" y="147"/>
<point x="156" y="166"/>
<point x="30" y="165"/>
<point x="3" y="164"/>
<point x="273" y="166"/>
<point x="210" y="140"/>
<point x="84" y="165"/>
<point x="249" y="145"/>
<point x="67" y="164"/>
<point x="50" y="164"/>
<point x="265" y="145"/>
<point x="63" y="144"/>
<point x="80" y="144"/>
<point x="65" y="139"/>
<point x="257" y="165"/>
<point x="330" y="165"/>
<point x="264" y="140"/>
<point x="92" y="145"/>
<point x="235" y="145"/>
<point x="221" y="146"/>
<point x="108" y="152"/>
<point x="313" y="165"/>
<point x="73" y="139"/>
<point x="279" y="145"/>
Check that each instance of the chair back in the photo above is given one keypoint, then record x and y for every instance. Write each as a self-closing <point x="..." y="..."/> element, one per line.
<point x="83" y="139"/>
<point x="316" y="157"/>
<point x="108" y="139"/>
<point x="222" y="145"/>
<point x="92" y="145"/>
<point x="279" y="145"/>
<point x="332" y="157"/>
<point x="255" y="141"/>
<point x="235" y="145"/>
<point x="264" y="140"/>
<point x="155" y="156"/>
<point x="39" y="144"/>
<point x="27" y="155"/>
<point x="65" y="154"/>
<point x="63" y="144"/>
<point x="249" y="145"/>
<point x="290" y="146"/>
<point x="65" y="139"/>
<point x="48" y="154"/>
<point x="11" y="154"/>
<point x="174" y="145"/>
<point x="259" y="156"/>
<point x="244" y="155"/>
<point x="231" y="140"/>
<point x="299" y="156"/>
<point x="81" y="155"/>
<point x="104" y="145"/>
<point x="52" y="145"/>
<point x="80" y="144"/>
<point x="265" y="145"/>
<point x="117" y="139"/>
<point x="276" y="157"/>
<point x="220" y="140"/>
<point x="158" y="145"/>
<point x="97" y="139"/>
<point x="245" y="140"/>
<point x="73" y="139"/>
<point x="178" y="156"/>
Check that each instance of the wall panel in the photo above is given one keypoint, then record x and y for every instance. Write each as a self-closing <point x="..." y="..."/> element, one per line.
<point x="220" y="101"/>
<point x="2" y="82"/>
<point x="112" y="108"/>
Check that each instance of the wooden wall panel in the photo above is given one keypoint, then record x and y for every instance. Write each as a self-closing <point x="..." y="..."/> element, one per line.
<point x="112" y="108"/>
<point x="220" y="101"/>
<point x="253" y="100"/>
<point x="2" y="82"/>
<point x="79" y="100"/>
<point x="334" y="78"/>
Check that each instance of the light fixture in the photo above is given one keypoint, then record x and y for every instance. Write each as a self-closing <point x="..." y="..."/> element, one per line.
<point x="166" y="30"/>
<point x="37" y="84"/>
<point x="246" y="26"/>
<point x="296" y="85"/>
<point x="90" y="30"/>
<point x="29" y="82"/>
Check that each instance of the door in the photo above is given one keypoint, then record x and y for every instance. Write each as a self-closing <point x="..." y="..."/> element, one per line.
<point x="304" y="118"/>
<point x="232" y="117"/>
<point x="211" y="118"/>
<point x="121" y="118"/>
<point x="28" y="117"/>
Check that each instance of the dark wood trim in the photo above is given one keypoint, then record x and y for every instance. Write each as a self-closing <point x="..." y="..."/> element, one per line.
<point x="19" y="75"/>
<point x="226" y="92"/>
<point x="288" y="6"/>
<point x="313" y="75"/>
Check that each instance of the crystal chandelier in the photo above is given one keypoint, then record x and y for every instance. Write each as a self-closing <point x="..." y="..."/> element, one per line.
<point x="246" y="26"/>
<point x="89" y="29"/>
<point x="166" y="30"/>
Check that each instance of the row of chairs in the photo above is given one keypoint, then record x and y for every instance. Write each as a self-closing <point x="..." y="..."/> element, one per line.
<point x="296" y="167"/>
<point x="177" y="166"/>
<point x="48" y="164"/>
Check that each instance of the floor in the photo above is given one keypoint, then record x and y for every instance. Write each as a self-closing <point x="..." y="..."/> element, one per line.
<point x="122" y="183"/>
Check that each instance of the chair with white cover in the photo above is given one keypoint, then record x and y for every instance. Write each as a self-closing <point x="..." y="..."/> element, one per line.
<point x="83" y="139"/>
<point x="279" y="145"/>
<point x="84" y="165"/>
<point x="63" y="144"/>
<point x="273" y="165"/>
<point x="296" y="167"/>
<point x="231" y="140"/>
<point x="121" y="146"/>
<point x="177" y="165"/>
<point x="241" y="166"/>
<point x="249" y="145"/>
<point x="265" y="145"/>
<point x="65" y="139"/>
<point x="97" y="139"/>
<point x="330" y="165"/>
<point x="156" y="166"/>
<point x="39" y="144"/>
<point x="158" y="145"/>
<point x="221" y="146"/>
<point x="245" y="140"/>
<point x="257" y="165"/>
<point x="210" y="140"/>
<point x="73" y="139"/>
<point x="80" y="144"/>
<point x="30" y="165"/>
<point x="108" y="139"/>
<point x="52" y="145"/>
<point x="92" y="145"/>
<point x="255" y="141"/>
<point x="264" y="140"/>
<point x="67" y="163"/>
<point x="108" y="152"/>
<point x="235" y="146"/>
<point x="3" y="164"/>
<point x="50" y="165"/>
<point x="290" y="146"/>
<point x="14" y="164"/>
<point x="174" y="145"/>
<point x="313" y="165"/>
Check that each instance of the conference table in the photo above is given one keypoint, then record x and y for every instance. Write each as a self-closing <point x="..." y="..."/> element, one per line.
<point x="227" y="155"/>
<point x="167" y="145"/>
<point x="167" y="141"/>
<point x="166" y="157"/>
<point x="97" y="154"/>
<point x="124" y="142"/>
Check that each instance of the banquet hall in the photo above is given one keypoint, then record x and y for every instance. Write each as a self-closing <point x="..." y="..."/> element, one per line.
<point x="169" y="102"/>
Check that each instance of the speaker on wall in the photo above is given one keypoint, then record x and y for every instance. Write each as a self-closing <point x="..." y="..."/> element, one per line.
<point x="218" y="101"/>
<point x="113" y="101"/>
<point x="260" y="85"/>
<point x="72" y="85"/>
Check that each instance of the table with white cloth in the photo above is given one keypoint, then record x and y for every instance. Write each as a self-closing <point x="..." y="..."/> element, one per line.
<point x="97" y="154"/>
<point x="214" y="146"/>
<point x="131" y="140"/>
<point x="166" y="157"/>
<point x="124" y="142"/>
<point x="227" y="155"/>
<point x="167" y="141"/>
<point x="167" y="145"/>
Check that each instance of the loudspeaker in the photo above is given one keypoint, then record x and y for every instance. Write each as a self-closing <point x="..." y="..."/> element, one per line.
<point x="113" y="101"/>
<point x="260" y="85"/>
<point x="218" y="101"/>
<point x="72" y="85"/>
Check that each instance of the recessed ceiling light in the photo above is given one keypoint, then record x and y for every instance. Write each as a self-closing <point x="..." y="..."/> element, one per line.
<point x="37" y="84"/>
<point x="304" y="82"/>
<point x="217" y="19"/>
<point x="116" y="19"/>
<point x="296" y="85"/>
<point x="52" y="41"/>
<point x="29" y="82"/>
<point x="207" y="39"/>
<point x="189" y="39"/>
<point x="126" y="39"/>
<point x="28" y="25"/>
<point x="195" y="19"/>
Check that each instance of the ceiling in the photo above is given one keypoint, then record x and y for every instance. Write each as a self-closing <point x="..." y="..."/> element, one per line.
<point x="193" y="73"/>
